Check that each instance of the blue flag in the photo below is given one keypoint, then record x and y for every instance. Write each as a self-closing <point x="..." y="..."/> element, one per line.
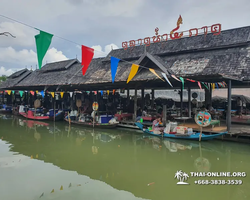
<point x="42" y="93"/>
<point x="114" y="65"/>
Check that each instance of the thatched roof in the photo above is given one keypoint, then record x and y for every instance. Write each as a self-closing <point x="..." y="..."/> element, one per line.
<point x="15" y="78"/>
<point x="204" y="58"/>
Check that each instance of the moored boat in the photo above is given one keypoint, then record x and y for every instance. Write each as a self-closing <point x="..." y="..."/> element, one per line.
<point x="30" y="115"/>
<point x="194" y="136"/>
<point x="95" y="125"/>
<point x="6" y="109"/>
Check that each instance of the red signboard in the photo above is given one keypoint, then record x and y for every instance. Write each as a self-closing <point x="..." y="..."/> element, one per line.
<point x="215" y="29"/>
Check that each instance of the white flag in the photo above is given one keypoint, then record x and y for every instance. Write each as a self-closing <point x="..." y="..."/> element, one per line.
<point x="164" y="75"/>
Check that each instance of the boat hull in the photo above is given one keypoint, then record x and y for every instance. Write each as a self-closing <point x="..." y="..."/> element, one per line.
<point x="195" y="136"/>
<point x="96" y="125"/>
<point x="35" y="117"/>
<point x="5" y="111"/>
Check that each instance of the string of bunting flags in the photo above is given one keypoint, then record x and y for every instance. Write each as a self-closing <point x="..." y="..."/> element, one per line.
<point x="134" y="69"/>
<point x="43" y="42"/>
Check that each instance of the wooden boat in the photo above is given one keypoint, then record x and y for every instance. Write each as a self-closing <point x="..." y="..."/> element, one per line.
<point x="5" y="109"/>
<point x="194" y="136"/>
<point x="59" y="116"/>
<point x="96" y="125"/>
<point x="30" y="115"/>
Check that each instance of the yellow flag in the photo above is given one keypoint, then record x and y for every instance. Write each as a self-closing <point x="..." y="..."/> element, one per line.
<point x="31" y="157"/>
<point x="37" y="91"/>
<point x="36" y="155"/>
<point x="133" y="71"/>
<point x="213" y="86"/>
<point x="53" y="94"/>
<point x="61" y="93"/>
<point x="52" y="191"/>
<point x="108" y="92"/>
<point x="61" y="188"/>
<point x="153" y="71"/>
<point x="9" y="92"/>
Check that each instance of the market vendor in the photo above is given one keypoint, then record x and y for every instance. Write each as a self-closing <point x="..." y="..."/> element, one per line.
<point x="156" y="124"/>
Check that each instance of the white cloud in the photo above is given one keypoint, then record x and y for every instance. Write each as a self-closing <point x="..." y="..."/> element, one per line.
<point x="28" y="58"/>
<point x="99" y="52"/>
<point x="5" y="72"/>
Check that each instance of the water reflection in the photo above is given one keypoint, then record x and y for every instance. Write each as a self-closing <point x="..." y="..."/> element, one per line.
<point x="124" y="160"/>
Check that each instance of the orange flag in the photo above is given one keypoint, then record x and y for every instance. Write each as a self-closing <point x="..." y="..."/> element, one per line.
<point x="133" y="71"/>
<point x="153" y="71"/>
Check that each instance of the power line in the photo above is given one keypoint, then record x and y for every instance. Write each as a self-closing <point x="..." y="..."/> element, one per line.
<point x="45" y="31"/>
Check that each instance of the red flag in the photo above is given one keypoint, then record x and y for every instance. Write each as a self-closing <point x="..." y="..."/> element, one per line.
<point x="190" y="80"/>
<point x="87" y="55"/>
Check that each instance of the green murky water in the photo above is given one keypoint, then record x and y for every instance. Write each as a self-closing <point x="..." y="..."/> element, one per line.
<point x="77" y="163"/>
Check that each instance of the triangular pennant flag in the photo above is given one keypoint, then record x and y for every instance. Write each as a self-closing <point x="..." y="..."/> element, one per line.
<point x="13" y="92"/>
<point x="114" y="65"/>
<point x="175" y="78"/>
<point x="52" y="191"/>
<point x="113" y="91"/>
<point x="61" y="93"/>
<point x="222" y="84"/>
<point x="87" y="55"/>
<point x="225" y="83"/>
<point x="21" y="93"/>
<point x="32" y="93"/>
<point x="37" y="91"/>
<point x="42" y="93"/>
<point x="70" y="185"/>
<point x="182" y="80"/>
<point x="108" y="92"/>
<point x="101" y="92"/>
<point x="190" y="80"/>
<point x="217" y="86"/>
<point x="199" y="85"/>
<point x="43" y="41"/>
<point x="165" y="76"/>
<point x="95" y="92"/>
<point x="61" y="188"/>
<point x="9" y="92"/>
<point x="204" y="85"/>
<point x="213" y="86"/>
<point x="71" y="94"/>
<point x="153" y="71"/>
<point x="52" y="94"/>
<point x="133" y="71"/>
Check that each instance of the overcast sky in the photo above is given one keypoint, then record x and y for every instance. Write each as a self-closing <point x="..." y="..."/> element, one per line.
<point x="102" y="23"/>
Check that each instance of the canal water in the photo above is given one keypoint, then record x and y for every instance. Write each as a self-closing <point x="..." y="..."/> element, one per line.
<point x="54" y="161"/>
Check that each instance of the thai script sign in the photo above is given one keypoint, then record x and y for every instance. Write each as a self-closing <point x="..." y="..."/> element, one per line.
<point x="215" y="29"/>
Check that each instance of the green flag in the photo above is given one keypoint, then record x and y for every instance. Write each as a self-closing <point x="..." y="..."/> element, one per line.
<point x="21" y="93"/>
<point x="43" y="41"/>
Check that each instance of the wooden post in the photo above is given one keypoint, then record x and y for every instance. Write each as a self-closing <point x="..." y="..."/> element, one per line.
<point x="135" y="104"/>
<point x="229" y="105"/>
<point x="189" y="101"/>
<point x="153" y="96"/>
<point x="164" y="115"/>
<point x="142" y="98"/>
<point x="54" y="109"/>
<point x="210" y="94"/>
<point x="181" y="98"/>
<point x="128" y="96"/>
